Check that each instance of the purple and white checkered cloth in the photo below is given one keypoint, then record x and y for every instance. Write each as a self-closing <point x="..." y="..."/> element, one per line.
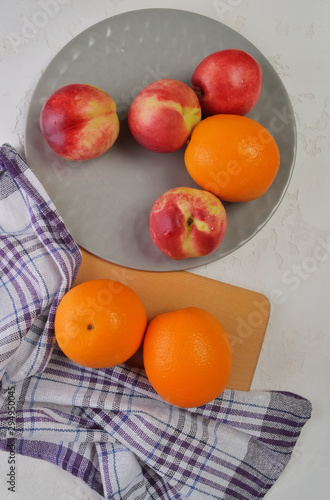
<point x="108" y="426"/>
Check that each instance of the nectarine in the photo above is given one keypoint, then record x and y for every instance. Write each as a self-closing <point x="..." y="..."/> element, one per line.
<point x="187" y="222"/>
<point x="79" y="121"/>
<point x="228" y="81"/>
<point x="163" y="114"/>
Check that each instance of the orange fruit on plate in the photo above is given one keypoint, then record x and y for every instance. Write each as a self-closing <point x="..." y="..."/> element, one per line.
<point x="100" y="323"/>
<point x="187" y="356"/>
<point x="233" y="157"/>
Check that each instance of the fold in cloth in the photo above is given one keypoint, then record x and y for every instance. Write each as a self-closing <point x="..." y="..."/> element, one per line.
<point x="108" y="426"/>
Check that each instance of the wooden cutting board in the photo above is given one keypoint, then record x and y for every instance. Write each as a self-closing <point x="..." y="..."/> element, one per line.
<point x="243" y="313"/>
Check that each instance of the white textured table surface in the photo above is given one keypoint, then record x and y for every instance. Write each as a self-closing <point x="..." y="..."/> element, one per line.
<point x="290" y="254"/>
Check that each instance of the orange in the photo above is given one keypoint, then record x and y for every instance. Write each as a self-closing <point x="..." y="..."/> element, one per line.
<point x="233" y="157"/>
<point x="187" y="357"/>
<point x="100" y="323"/>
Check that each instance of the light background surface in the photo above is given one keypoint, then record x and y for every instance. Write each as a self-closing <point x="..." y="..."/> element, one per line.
<point x="288" y="260"/>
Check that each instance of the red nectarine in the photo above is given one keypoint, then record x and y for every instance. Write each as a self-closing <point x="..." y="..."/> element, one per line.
<point x="227" y="81"/>
<point x="79" y="121"/>
<point x="186" y="222"/>
<point x="163" y="114"/>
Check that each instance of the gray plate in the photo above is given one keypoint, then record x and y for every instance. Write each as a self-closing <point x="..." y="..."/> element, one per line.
<point x="105" y="202"/>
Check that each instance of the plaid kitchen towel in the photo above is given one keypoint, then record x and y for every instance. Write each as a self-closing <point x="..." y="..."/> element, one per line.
<point x="108" y="426"/>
